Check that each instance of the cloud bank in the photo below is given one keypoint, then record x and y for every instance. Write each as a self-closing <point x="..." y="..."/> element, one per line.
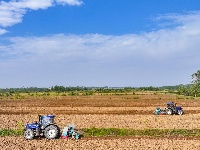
<point x="164" y="57"/>
<point x="12" y="12"/>
<point x="156" y="44"/>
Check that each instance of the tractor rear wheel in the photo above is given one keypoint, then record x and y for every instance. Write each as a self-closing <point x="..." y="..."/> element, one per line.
<point x="28" y="134"/>
<point x="51" y="132"/>
<point x="169" y="111"/>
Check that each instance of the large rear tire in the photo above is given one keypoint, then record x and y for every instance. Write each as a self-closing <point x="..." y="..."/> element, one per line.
<point x="51" y="132"/>
<point x="169" y="111"/>
<point x="28" y="134"/>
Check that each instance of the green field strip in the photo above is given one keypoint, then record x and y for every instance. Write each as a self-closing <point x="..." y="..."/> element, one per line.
<point x="103" y="132"/>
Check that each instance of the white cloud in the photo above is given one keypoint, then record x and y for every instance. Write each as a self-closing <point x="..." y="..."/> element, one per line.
<point x="163" y="57"/>
<point x="2" y="31"/>
<point x="12" y="12"/>
<point x="158" y="44"/>
<point x="69" y="2"/>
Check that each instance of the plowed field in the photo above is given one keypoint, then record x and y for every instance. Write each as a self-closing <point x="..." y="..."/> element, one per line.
<point x="127" y="111"/>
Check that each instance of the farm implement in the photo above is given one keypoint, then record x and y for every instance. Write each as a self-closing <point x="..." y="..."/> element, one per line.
<point x="71" y="132"/>
<point x="159" y="111"/>
<point x="170" y="109"/>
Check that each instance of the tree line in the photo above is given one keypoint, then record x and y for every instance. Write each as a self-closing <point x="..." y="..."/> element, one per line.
<point x="192" y="89"/>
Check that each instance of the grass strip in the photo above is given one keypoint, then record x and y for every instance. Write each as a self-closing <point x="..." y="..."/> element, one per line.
<point x="9" y="132"/>
<point x="103" y="132"/>
<point x="98" y="132"/>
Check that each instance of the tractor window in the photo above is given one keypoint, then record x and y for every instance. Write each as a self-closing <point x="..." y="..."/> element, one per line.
<point x="170" y="105"/>
<point x="47" y="120"/>
<point x="50" y="120"/>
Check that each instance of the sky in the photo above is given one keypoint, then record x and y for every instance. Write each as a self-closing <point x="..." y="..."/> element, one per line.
<point x="115" y="43"/>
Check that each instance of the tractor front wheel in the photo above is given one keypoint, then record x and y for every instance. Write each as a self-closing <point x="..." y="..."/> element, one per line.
<point x="169" y="111"/>
<point x="28" y="134"/>
<point x="51" y="132"/>
<point x="180" y="112"/>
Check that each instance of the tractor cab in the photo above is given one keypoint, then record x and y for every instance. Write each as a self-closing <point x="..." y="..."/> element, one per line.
<point x="46" y="120"/>
<point x="170" y="104"/>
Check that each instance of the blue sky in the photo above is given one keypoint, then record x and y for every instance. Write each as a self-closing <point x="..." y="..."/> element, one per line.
<point x="45" y="43"/>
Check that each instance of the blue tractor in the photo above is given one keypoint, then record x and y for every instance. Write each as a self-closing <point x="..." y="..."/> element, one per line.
<point x="44" y="127"/>
<point x="173" y="109"/>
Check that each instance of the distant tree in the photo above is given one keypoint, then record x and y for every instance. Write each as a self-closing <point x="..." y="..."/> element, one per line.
<point x="181" y="90"/>
<point x="58" y="89"/>
<point x="196" y="83"/>
<point x="196" y="77"/>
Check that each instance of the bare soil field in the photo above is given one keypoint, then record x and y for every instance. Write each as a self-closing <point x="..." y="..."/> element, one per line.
<point x="187" y="121"/>
<point x="128" y="143"/>
<point x="126" y="104"/>
<point x="126" y="111"/>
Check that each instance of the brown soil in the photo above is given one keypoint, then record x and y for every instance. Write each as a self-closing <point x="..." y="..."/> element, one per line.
<point x="7" y="143"/>
<point x="126" y="104"/>
<point x="101" y="101"/>
<point x="126" y="111"/>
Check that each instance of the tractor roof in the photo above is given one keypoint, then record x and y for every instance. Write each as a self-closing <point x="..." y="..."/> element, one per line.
<point x="48" y="116"/>
<point x="170" y="103"/>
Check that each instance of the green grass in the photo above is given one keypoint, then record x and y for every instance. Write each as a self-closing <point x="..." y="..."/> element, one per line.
<point x="9" y="132"/>
<point x="12" y="132"/>
<point x="103" y="132"/>
<point x="146" y="132"/>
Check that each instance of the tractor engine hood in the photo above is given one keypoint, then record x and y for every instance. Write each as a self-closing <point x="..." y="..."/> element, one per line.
<point x="32" y="125"/>
<point x="178" y="108"/>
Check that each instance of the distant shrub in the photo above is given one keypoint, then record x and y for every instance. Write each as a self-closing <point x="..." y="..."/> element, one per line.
<point x="19" y="96"/>
<point x="136" y="97"/>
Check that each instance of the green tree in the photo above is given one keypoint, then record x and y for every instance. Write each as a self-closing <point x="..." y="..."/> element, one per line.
<point x="196" y="77"/>
<point x="181" y="90"/>
<point x="196" y="83"/>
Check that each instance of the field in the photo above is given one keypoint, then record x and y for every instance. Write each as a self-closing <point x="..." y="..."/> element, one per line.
<point x="127" y="111"/>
